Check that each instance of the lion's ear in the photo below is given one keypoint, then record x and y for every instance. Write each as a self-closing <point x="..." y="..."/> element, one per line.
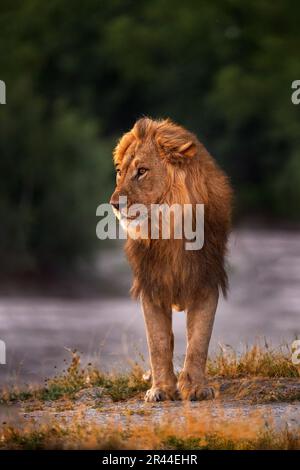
<point x="188" y="150"/>
<point x="177" y="150"/>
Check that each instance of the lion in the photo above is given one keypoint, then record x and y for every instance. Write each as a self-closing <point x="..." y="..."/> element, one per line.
<point x="160" y="162"/>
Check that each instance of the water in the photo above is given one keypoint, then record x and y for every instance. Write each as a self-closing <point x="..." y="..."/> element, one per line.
<point x="264" y="301"/>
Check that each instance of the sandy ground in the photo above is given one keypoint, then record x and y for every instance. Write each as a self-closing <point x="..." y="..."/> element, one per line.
<point x="233" y="403"/>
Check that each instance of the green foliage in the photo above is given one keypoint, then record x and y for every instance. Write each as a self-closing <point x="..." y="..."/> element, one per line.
<point x="56" y="171"/>
<point x="78" y="77"/>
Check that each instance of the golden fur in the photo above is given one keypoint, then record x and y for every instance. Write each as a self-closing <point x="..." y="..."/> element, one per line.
<point x="178" y="170"/>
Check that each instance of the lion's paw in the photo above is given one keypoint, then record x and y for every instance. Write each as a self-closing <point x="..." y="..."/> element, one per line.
<point x="197" y="393"/>
<point x="155" y="394"/>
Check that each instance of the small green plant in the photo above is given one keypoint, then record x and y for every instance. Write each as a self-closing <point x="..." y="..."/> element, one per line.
<point x="122" y="387"/>
<point x="177" y="443"/>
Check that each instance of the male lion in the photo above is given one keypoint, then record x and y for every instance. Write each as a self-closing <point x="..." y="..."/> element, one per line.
<point x="161" y="162"/>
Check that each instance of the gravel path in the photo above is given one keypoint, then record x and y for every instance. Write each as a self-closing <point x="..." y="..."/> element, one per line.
<point x="276" y="415"/>
<point x="236" y="400"/>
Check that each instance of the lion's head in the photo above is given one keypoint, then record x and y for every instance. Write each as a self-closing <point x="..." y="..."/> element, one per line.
<point x="151" y="162"/>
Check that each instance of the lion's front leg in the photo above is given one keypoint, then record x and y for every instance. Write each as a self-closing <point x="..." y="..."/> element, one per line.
<point x="200" y="319"/>
<point x="160" y="342"/>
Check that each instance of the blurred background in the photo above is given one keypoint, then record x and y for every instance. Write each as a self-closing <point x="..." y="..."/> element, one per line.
<point x="78" y="74"/>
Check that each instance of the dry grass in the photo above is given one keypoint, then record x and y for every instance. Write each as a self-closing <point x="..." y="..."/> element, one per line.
<point x="256" y="361"/>
<point x="189" y="433"/>
<point x="76" y="378"/>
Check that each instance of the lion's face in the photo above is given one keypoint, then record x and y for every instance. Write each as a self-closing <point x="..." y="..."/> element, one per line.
<point x="150" y="163"/>
<point x="141" y="177"/>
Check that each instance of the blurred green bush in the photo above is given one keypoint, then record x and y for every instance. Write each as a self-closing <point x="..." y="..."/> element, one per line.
<point x="79" y="73"/>
<point x="56" y="172"/>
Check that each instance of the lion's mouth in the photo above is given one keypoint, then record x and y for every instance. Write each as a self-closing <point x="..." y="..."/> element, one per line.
<point x="126" y="217"/>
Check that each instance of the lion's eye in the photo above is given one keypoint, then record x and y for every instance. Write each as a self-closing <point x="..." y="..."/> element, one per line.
<point x="141" y="171"/>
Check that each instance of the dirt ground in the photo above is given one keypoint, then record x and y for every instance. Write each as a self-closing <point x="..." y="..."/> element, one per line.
<point x="272" y="402"/>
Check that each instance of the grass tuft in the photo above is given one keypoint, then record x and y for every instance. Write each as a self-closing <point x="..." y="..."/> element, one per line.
<point x="256" y="361"/>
